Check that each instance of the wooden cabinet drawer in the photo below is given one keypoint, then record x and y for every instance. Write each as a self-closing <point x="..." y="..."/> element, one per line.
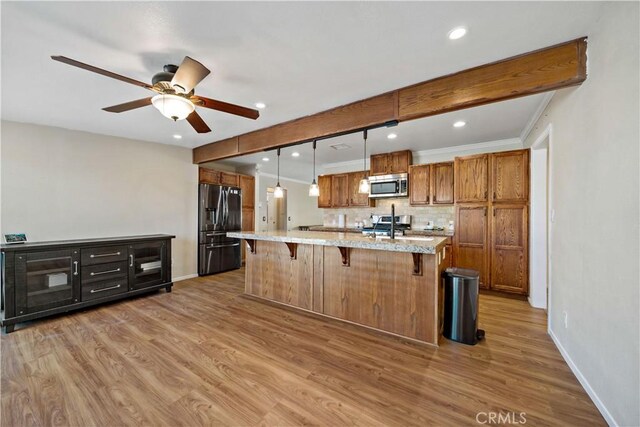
<point x="101" y="272"/>
<point x="103" y="254"/>
<point x="103" y="288"/>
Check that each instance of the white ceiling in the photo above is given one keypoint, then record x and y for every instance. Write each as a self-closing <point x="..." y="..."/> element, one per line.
<point x="298" y="58"/>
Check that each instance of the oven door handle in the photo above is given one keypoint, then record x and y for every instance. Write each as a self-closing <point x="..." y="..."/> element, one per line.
<point x="222" y="246"/>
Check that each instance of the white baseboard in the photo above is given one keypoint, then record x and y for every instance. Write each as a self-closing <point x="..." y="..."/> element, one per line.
<point x="583" y="381"/>
<point x="188" y="276"/>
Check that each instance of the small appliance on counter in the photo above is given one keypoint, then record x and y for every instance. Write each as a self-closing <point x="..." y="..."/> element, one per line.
<point x="381" y="225"/>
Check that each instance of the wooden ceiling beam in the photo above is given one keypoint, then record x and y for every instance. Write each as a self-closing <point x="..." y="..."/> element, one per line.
<point x="543" y="70"/>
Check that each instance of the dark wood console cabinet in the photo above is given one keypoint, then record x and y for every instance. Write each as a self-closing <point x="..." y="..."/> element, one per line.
<point x="46" y="278"/>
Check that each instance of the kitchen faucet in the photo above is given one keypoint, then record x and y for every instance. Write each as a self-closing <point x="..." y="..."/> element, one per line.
<point x="393" y="222"/>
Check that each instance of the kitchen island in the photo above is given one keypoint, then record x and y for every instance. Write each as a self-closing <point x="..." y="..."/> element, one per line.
<point x="393" y="286"/>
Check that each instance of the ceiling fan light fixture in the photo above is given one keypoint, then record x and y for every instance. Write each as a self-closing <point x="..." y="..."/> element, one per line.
<point x="173" y="107"/>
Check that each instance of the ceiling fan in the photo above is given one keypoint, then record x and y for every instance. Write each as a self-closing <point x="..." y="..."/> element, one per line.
<point x="175" y="97"/>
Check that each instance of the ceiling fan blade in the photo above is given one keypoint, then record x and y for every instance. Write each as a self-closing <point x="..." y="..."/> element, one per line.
<point x="198" y="124"/>
<point x="131" y="105"/>
<point x="88" y="67"/>
<point x="189" y="74"/>
<point x="226" y="107"/>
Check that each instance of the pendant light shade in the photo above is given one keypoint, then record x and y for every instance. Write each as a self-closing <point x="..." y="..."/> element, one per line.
<point x="314" y="190"/>
<point x="363" y="188"/>
<point x="278" y="193"/>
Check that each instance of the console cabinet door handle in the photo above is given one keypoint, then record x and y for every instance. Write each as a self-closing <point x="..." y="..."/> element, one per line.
<point x="101" y="255"/>
<point x="75" y="268"/>
<point x="130" y="260"/>
<point x="97" y="273"/>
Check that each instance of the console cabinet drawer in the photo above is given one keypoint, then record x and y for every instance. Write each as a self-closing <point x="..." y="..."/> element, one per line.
<point x="103" y="254"/>
<point x="103" y="288"/>
<point x="102" y="272"/>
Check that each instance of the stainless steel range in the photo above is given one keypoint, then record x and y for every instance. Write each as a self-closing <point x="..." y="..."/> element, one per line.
<point x="382" y="225"/>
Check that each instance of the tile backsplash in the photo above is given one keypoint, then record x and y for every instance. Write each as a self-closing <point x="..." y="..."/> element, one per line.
<point x="440" y="215"/>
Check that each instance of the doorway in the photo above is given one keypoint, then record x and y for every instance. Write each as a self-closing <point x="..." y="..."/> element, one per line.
<point x="276" y="211"/>
<point x="541" y="216"/>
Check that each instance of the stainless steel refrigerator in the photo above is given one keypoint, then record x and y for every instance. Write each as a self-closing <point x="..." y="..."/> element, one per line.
<point x="220" y="211"/>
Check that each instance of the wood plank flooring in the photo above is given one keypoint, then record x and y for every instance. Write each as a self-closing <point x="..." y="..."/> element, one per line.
<point x="205" y="355"/>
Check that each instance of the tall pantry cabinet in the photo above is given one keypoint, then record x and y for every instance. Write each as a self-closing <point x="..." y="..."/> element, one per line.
<point x="492" y="218"/>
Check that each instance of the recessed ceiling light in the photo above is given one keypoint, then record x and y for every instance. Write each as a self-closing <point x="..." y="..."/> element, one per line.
<point x="295" y="154"/>
<point x="176" y="136"/>
<point x="457" y="33"/>
<point x="265" y="159"/>
<point x="459" y="124"/>
<point x="260" y="105"/>
<point x="392" y="136"/>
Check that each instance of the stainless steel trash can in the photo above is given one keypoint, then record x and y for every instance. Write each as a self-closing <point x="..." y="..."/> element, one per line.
<point x="461" y="306"/>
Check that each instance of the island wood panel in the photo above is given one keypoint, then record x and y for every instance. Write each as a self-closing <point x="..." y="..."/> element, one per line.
<point x="442" y="182"/>
<point x="471" y="241"/>
<point x="510" y="176"/>
<point x="248" y="223"/>
<point x="472" y="178"/>
<point x="272" y="274"/>
<point x="324" y="185"/>
<point x="539" y="71"/>
<point x="419" y="184"/>
<point x="379" y="290"/>
<point x="509" y="248"/>
<point x="356" y="115"/>
<point x="318" y="278"/>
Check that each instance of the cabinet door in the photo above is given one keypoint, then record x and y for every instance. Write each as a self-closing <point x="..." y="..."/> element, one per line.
<point x="399" y="161"/>
<point x="510" y="176"/>
<point x="340" y="190"/>
<point x="471" y="245"/>
<point x="324" y="184"/>
<point x="509" y="258"/>
<point x="46" y="279"/>
<point x="471" y="179"/>
<point x="248" y="221"/>
<point x="442" y="183"/>
<point x="230" y="179"/>
<point x="378" y="164"/>
<point x="147" y="264"/>
<point x="208" y="176"/>
<point x="248" y="188"/>
<point x="419" y="185"/>
<point x="356" y="198"/>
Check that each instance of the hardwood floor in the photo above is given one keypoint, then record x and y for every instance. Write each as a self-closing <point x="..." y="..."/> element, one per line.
<point x="205" y="355"/>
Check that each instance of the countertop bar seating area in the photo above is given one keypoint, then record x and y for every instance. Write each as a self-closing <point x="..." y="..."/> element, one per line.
<point x="318" y="213"/>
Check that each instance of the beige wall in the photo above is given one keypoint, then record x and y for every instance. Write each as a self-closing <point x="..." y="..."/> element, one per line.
<point x="594" y="237"/>
<point x="62" y="184"/>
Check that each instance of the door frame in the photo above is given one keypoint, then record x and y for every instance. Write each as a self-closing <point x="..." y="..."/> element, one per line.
<point x="545" y="140"/>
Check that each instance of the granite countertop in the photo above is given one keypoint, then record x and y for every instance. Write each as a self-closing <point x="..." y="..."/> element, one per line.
<point x="414" y="232"/>
<point x="349" y="240"/>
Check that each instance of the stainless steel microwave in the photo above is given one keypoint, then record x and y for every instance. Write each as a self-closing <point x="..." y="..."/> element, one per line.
<point x="396" y="185"/>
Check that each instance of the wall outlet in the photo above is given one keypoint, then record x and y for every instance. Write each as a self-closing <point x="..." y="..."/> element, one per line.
<point x="566" y="319"/>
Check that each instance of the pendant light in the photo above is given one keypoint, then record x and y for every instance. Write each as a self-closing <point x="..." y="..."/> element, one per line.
<point x="278" y="193"/>
<point x="364" y="182"/>
<point x="314" y="190"/>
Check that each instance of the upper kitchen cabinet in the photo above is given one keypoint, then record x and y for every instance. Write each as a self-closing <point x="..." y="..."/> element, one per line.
<point x="340" y="190"/>
<point x="442" y="183"/>
<point x="472" y="179"/>
<point x="247" y="186"/>
<point x="324" y="184"/>
<point x="228" y="178"/>
<point x="510" y="176"/>
<point x="419" y="188"/>
<point x="208" y="176"/>
<point x="389" y="163"/>
<point x="356" y="198"/>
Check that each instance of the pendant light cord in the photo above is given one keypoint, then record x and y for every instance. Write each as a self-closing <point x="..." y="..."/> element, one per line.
<point x="364" y="158"/>
<point x="278" y="167"/>
<point x="314" y="159"/>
